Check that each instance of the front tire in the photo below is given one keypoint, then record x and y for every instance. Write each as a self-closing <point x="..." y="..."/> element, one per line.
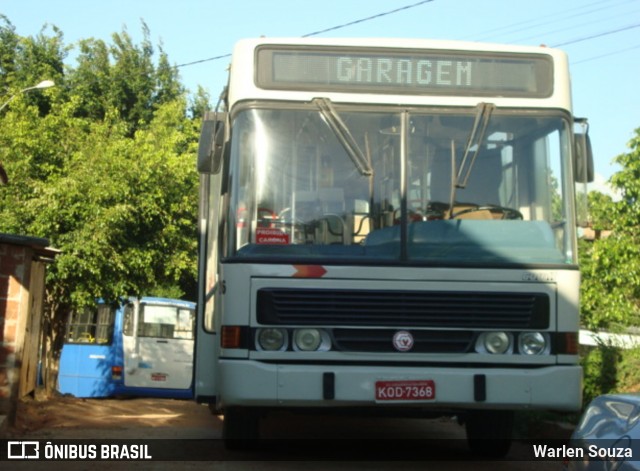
<point x="489" y="433"/>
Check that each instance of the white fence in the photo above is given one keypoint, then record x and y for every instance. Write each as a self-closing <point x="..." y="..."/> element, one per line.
<point x="590" y="338"/>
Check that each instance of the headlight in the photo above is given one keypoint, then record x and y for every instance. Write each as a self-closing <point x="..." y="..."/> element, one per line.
<point x="494" y="342"/>
<point x="307" y="339"/>
<point x="271" y="340"/>
<point x="310" y="340"/>
<point x="532" y="343"/>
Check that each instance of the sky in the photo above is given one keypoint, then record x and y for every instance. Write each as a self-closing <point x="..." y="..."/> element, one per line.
<point x="601" y="37"/>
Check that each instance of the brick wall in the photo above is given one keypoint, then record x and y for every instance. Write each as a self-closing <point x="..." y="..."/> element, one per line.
<point x="22" y="261"/>
<point x="15" y="262"/>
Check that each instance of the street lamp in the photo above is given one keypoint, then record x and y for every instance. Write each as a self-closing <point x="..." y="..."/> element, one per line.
<point x="44" y="84"/>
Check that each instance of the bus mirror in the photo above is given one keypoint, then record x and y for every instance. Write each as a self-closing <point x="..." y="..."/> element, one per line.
<point x="583" y="166"/>
<point x="211" y="144"/>
<point x="583" y="171"/>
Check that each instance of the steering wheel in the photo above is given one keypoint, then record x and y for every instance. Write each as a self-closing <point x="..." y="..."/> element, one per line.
<point x="507" y="213"/>
<point x="412" y="216"/>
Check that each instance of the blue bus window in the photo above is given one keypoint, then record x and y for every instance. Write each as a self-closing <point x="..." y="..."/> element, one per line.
<point x="92" y="325"/>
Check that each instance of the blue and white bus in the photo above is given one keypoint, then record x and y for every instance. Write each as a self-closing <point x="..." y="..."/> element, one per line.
<point x="141" y="347"/>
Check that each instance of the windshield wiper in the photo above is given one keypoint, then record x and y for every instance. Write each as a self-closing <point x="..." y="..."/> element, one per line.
<point x="475" y="140"/>
<point x="346" y="139"/>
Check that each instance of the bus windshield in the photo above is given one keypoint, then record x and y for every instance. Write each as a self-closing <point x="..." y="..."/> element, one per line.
<point x="381" y="184"/>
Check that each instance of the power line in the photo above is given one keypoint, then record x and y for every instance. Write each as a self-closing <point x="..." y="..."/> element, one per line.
<point x="413" y="5"/>
<point x="559" y="17"/>
<point x="379" y="15"/>
<point x="565" y="28"/>
<point x="535" y="22"/>
<point x="573" y="41"/>
<point x="203" y="60"/>
<point x="619" y="51"/>
<point x="333" y="28"/>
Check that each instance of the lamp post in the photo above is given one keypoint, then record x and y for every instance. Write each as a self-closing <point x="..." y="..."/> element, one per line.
<point x="44" y="84"/>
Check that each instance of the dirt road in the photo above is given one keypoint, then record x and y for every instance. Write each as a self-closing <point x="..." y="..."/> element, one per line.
<point x="69" y="417"/>
<point x="179" y="424"/>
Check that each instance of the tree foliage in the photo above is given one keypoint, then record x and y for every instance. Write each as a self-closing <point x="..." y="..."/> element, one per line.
<point x="102" y="165"/>
<point x="123" y="77"/>
<point x="611" y="265"/>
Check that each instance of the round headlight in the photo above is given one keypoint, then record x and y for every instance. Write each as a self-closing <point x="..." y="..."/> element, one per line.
<point x="496" y="342"/>
<point x="532" y="343"/>
<point x="307" y="340"/>
<point x="271" y="339"/>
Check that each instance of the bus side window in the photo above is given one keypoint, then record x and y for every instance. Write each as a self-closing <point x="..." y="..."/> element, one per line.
<point x="105" y="324"/>
<point x="92" y="325"/>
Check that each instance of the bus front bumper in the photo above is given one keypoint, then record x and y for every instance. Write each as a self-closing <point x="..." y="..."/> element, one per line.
<point x="256" y="384"/>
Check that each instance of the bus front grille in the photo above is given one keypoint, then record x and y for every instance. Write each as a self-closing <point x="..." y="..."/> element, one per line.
<point x="398" y="308"/>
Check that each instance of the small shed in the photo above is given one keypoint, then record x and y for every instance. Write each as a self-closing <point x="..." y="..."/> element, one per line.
<point x="22" y="287"/>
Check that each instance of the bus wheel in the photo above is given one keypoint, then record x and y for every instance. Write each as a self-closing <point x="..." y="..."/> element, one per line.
<point x="489" y="433"/>
<point x="240" y="428"/>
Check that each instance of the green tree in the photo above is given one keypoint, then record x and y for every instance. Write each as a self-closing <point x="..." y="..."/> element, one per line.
<point x="611" y="266"/>
<point x="26" y="61"/>
<point x="200" y="103"/>
<point x="102" y="165"/>
<point x="123" y="76"/>
<point x="123" y="212"/>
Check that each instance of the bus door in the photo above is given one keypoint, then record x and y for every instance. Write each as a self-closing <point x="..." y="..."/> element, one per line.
<point x="89" y="352"/>
<point x="158" y="345"/>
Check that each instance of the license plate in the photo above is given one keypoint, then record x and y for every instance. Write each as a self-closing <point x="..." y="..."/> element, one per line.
<point x="405" y="390"/>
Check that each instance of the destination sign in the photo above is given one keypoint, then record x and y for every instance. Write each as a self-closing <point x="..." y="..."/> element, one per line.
<point x="426" y="72"/>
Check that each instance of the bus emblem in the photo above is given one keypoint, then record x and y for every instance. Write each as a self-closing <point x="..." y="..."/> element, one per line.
<point x="403" y="341"/>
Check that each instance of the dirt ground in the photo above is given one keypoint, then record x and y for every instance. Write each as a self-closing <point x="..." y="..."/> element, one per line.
<point x="64" y="417"/>
<point x="67" y="417"/>
<point x="70" y="417"/>
<point x="143" y="417"/>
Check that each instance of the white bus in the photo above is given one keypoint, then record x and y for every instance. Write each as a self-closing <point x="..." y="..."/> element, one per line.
<point x="390" y="226"/>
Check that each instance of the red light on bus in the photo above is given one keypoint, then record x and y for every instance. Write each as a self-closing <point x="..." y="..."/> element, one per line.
<point x="231" y="336"/>
<point x="570" y="343"/>
<point x="116" y="372"/>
